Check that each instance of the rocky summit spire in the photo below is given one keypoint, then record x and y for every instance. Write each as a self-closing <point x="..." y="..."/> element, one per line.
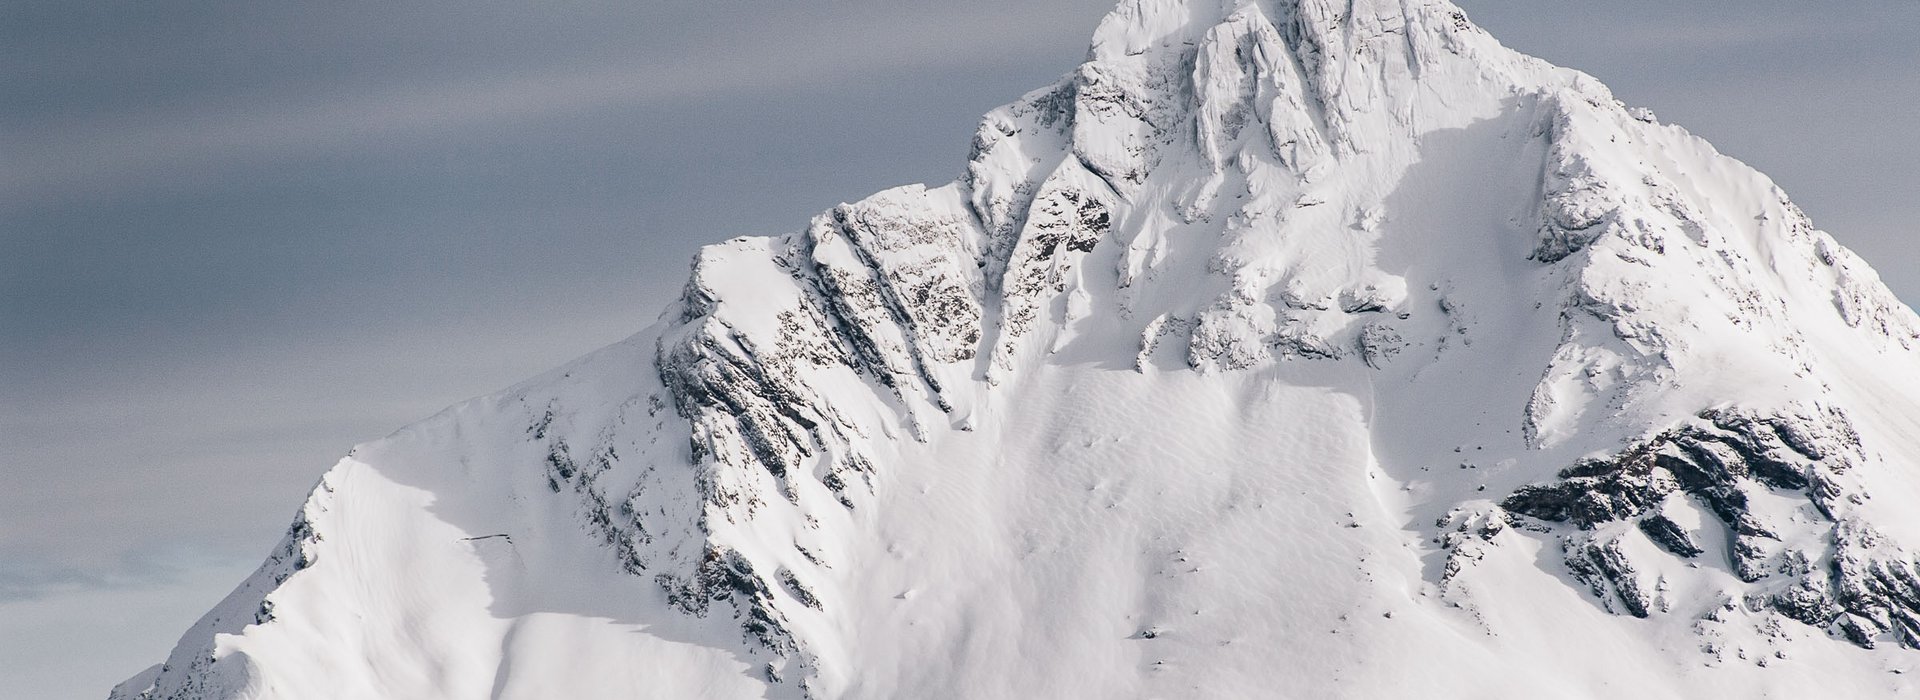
<point x="1302" y="348"/>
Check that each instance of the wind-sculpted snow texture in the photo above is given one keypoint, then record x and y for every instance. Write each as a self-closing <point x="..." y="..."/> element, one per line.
<point x="1285" y="348"/>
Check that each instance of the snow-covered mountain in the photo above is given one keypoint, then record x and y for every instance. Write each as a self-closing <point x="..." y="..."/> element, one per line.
<point x="1284" y="348"/>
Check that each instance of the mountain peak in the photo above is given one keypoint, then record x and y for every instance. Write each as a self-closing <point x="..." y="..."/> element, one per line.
<point x="1275" y="343"/>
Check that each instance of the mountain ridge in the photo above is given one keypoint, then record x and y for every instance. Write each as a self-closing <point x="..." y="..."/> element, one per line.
<point x="1239" y="222"/>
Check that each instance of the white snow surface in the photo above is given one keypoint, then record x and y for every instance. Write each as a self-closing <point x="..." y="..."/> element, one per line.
<point x="1243" y="362"/>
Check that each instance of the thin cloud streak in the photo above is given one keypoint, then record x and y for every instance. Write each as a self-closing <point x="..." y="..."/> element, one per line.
<point x="25" y="580"/>
<point x="128" y="153"/>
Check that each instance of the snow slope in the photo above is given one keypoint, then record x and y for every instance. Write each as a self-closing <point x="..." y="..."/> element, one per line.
<point x="1283" y="348"/>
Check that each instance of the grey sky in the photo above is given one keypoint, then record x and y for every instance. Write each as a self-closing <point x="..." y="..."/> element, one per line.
<point x="237" y="239"/>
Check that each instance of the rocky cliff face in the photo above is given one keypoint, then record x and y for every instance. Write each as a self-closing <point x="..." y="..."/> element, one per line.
<point x="1276" y="343"/>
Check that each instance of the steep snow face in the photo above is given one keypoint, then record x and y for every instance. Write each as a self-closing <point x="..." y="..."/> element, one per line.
<point x="1282" y="348"/>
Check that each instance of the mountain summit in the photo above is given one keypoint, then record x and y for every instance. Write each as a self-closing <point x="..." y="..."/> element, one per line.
<point x="1284" y="348"/>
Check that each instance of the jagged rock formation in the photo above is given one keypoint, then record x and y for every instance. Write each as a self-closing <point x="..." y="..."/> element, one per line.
<point x="1846" y="580"/>
<point x="1268" y="349"/>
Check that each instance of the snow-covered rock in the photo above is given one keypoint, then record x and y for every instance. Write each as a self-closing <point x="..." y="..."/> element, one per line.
<point x="1283" y="347"/>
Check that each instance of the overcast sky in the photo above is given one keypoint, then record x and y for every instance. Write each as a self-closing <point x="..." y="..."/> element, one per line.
<point x="237" y="239"/>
